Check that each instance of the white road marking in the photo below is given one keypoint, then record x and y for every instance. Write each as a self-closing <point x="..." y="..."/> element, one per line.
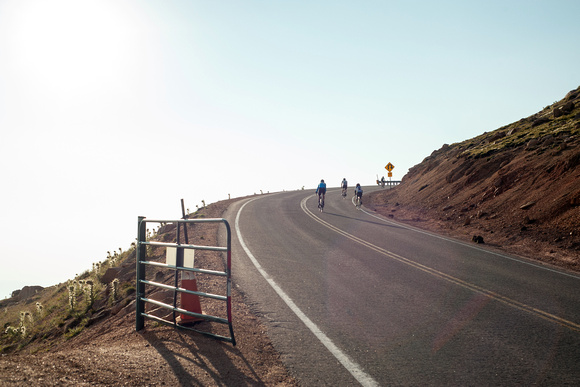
<point x="355" y="370"/>
<point x="465" y="284"/>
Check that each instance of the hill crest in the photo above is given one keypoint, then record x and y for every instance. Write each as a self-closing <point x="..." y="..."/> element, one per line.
<point x="517" y="187"/>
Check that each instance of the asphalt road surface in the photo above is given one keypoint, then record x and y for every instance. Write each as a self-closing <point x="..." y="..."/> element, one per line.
<point x="352" y="298"/>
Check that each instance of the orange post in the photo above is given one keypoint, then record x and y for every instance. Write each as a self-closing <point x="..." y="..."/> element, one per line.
<point x="189" y="302"/>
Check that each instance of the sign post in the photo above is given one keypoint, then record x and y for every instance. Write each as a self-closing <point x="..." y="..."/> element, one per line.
<point x="389" y="167"/>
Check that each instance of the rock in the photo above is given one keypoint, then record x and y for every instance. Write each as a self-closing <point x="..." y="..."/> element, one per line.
<point x="575" y="200"/>
<point x="159" y="276"/>
<point x="123" y="307"/>
<point x="527" y="220"/>
<point x="540" y="121"/>
<point x="547" y="140"/>
<point x="532" y="144"/>
<point x="26" y="292"/>
<point x="127" y="309"/>
<point x="99" y="316"/>
<point x="167" y="228"/>
<point x="110" y="275"/>
<point x="572" y="95"/>
<point x="70" y="325"/>
<point x="496" y="136"/>
<point x="477" y="239"/>
<point x="568" y="107"/>
<point x="557" y="113"/>
<point x="527" y="205"/>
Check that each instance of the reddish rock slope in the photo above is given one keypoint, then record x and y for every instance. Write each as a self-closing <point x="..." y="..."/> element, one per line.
<point x="517" y="187"/>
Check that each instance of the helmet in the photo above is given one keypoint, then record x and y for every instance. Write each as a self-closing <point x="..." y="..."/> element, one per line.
<point x="322" y="181"/>
<point x="357" y="184"/>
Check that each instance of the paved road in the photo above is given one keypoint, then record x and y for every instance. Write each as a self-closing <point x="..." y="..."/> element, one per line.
<point x="352" y="298"/>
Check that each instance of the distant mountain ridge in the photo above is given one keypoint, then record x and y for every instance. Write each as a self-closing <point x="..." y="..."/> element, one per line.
<point x="517" y="187"/>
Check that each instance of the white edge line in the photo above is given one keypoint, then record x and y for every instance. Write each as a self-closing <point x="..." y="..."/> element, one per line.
<point x="362" y="377"/>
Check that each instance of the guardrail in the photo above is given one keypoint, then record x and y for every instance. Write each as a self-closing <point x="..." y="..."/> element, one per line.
<point x="389" y="183"/>
<point x="143" y="283"/>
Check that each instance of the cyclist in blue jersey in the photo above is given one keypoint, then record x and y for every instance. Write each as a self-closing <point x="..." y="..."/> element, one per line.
<point x="344" y="186"/>
<point x="358" y="193"/>
<point x="321" y="189"/>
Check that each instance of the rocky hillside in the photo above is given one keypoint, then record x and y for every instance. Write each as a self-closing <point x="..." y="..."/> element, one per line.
<point x="82" y="332"/>
<point x="516" y="188"/>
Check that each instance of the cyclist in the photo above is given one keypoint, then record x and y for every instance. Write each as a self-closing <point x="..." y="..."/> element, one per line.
<point x="321" y="190"/>
<point x="344" y="186"/>
<point x="358" y="192"/>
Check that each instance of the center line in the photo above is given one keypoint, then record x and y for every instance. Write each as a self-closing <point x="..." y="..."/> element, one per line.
<point x="495" y="296"/>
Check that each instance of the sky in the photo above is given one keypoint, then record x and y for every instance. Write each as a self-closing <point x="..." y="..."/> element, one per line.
<point x="110" y="110"/>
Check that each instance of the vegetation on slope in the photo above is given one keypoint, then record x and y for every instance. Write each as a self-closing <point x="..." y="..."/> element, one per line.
<point x="517" y="187"/>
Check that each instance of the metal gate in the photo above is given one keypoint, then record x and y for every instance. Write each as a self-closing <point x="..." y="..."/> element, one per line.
<point x="143" y="284"/>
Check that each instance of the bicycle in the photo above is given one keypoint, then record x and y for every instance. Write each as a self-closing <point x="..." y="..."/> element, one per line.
<point x="358" y="202"/>
<point x="320" y="202"/>
<point x="344" y="193"/>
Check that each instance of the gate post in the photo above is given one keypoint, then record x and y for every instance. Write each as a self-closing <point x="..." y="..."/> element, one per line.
<point x="141" y="255"/>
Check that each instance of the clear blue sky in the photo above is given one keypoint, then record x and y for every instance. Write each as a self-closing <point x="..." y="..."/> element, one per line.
<point x="114" y="109"/>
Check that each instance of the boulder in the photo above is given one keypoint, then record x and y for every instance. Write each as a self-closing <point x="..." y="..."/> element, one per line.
<point x="110" y="275"/>
<point x="540" y="121"/>
<point x="547" y="140"/>
<point x="496" y="136"/>
<point x="532" y="144"/>
<point x="26" y="292"/>
<point x="568" y="107"/>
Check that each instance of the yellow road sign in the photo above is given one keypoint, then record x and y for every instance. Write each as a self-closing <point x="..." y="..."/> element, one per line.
<point x="390" y="174"/>
<point x="389" y="167"/>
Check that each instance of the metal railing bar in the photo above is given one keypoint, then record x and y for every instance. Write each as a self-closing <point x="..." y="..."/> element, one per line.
<point x="183" y="311"/>
<point x="195" y="247"/>
<point x="182" y="290"/>
<point x="196" y="220"/>
<point x="162" y="321"/>
<point x="203" y="271"/>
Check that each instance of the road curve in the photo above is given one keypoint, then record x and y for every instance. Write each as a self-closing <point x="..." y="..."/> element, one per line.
<point x="352" y="298"/>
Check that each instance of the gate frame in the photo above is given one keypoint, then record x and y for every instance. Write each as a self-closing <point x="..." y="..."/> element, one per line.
<point x="141" y="263"/>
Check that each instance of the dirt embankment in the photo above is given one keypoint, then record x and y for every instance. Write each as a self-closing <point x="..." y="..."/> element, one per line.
<point x="516" y="188"/>
<point x="98" y="345"/>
